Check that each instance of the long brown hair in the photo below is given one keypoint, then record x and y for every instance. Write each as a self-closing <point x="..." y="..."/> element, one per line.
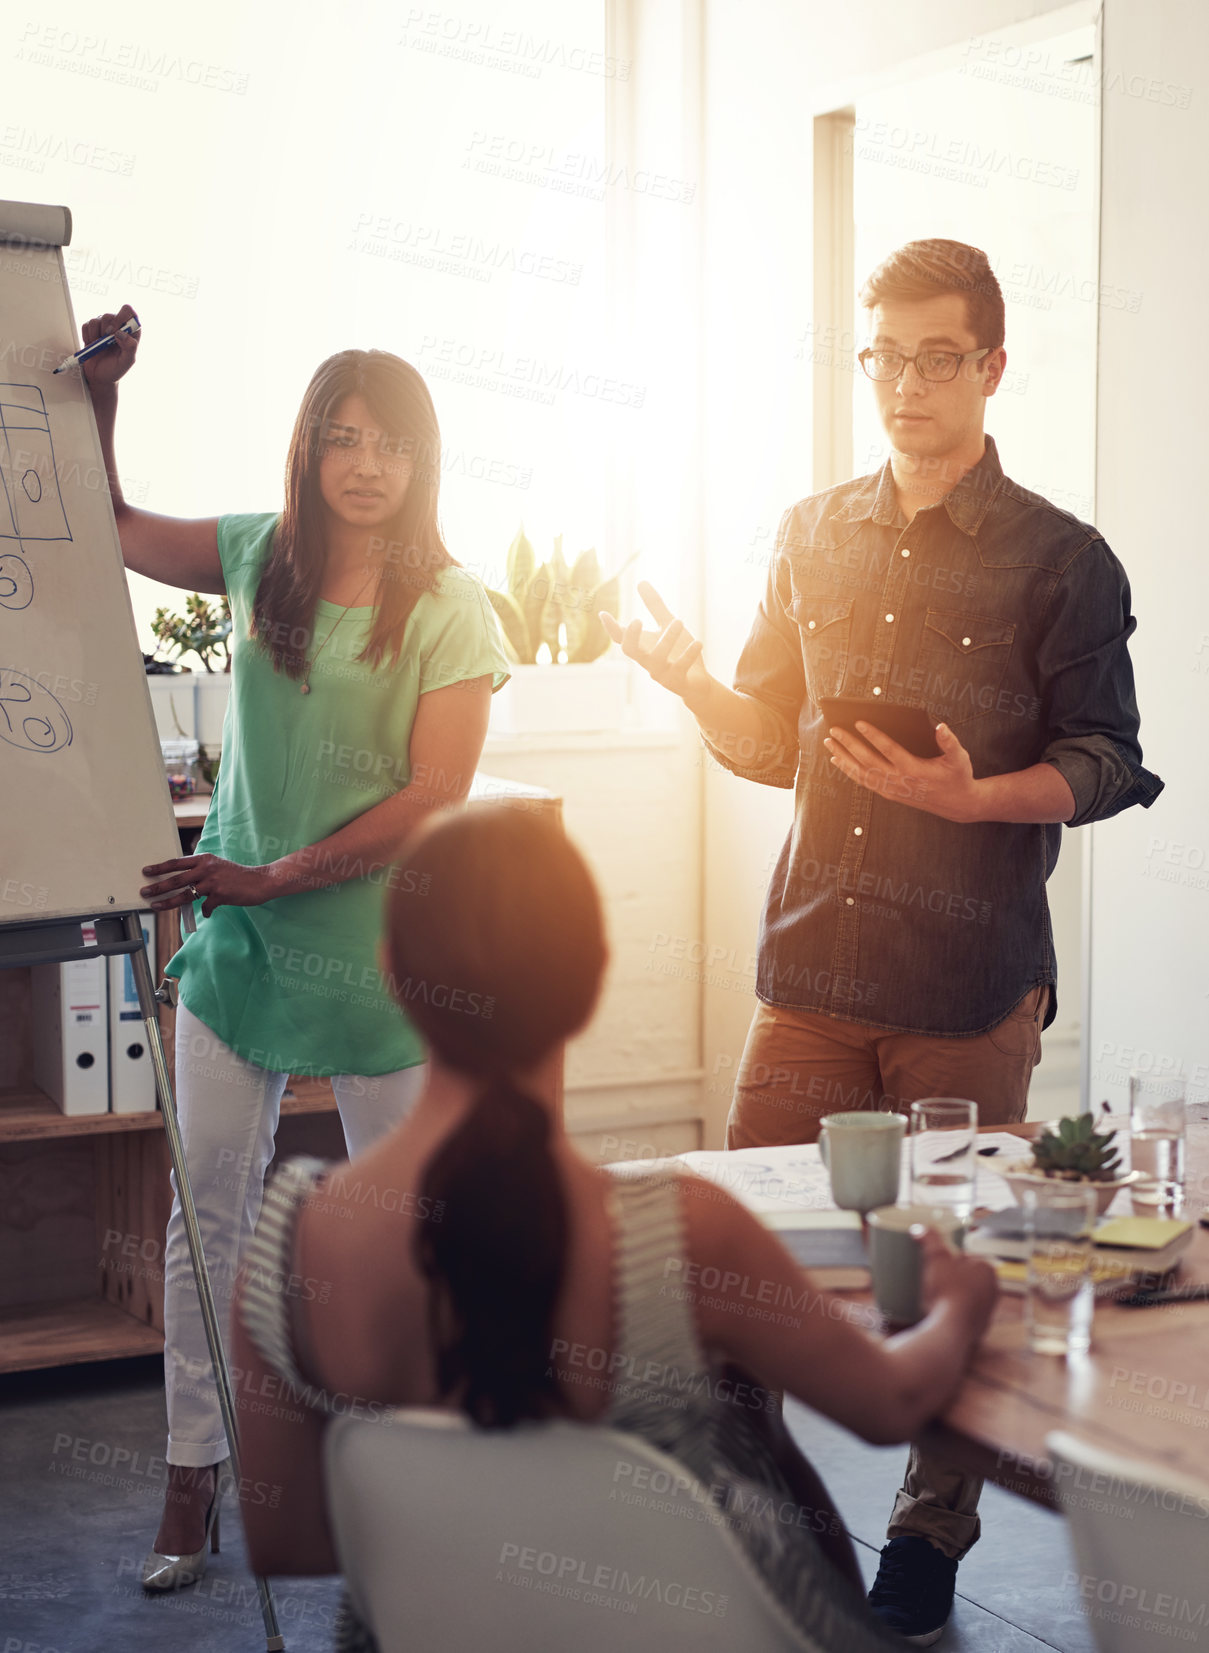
<point x="284" y="610"/>
<point x="495" y="946"/>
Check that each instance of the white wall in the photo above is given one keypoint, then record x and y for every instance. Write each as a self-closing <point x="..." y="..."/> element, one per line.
<point x="1150" y="869"/>
<point x="661" y="1045"/>
<point x="931" y="155"/>
<point x="836" y="45"/>
<point x="631" y="805"/>
<point x="769" y="68"/>
<point x="267" y="185"/>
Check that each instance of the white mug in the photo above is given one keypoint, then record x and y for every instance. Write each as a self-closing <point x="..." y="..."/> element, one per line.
<point x="862" y="1152"/>
<point x="895" y="1260"/>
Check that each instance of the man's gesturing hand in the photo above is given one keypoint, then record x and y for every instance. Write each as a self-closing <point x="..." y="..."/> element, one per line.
<point x="943" y="786"/>
<point x="671" y="655"/>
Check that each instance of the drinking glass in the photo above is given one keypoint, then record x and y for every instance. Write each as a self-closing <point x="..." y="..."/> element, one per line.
<point x="944" y="1131"/>
<point x="1157" y="1129"/>
<point x="1058" y="1223"/>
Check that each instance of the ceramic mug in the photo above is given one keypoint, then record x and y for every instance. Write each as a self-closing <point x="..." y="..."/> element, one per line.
<point x="862" y="1153"/>
<point x="895" y="1261"/>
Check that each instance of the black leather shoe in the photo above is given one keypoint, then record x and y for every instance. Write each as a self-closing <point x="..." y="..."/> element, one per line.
<point x="913" y="1590"/>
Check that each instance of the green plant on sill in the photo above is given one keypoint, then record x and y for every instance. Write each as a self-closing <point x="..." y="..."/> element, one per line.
<point x="1078" y="1153"/>
<point x="204" y="630"/>
<point x="555" y="606"/>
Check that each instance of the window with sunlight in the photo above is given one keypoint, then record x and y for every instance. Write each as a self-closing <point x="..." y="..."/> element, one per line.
<point x="267" y="188"/>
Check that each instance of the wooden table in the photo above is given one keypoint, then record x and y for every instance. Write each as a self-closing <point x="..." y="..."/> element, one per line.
<point x="1143" y="1391"/>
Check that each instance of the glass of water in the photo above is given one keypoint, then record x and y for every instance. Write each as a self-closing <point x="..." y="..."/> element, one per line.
<point x="1058" y="1224"/>
<point x="1157" y="1131"/>
<point x="944" y="1132"/>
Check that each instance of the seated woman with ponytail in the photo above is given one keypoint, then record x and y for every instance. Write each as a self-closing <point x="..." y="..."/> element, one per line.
<point x="449" y="1264"/>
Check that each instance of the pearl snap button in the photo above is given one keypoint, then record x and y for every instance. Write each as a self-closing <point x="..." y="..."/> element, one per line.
<point x="877" y="691"/>
<point x="810" y="627"/>
<point x="851" y="901"/>
<point x="856" y="831"/>
<point x="905" y="552"/>
<point x="890" y="619"/>
<point x="965" y="642"/>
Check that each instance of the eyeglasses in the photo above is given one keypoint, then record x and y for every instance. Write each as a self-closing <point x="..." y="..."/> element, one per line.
<point x="937" y="365"/>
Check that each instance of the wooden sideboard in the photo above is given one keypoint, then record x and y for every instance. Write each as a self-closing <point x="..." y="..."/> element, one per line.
<point x="84" y="1201"/>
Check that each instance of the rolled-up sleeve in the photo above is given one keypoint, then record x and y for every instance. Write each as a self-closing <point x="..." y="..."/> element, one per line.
<point x="1090" y="707"/>
<point x="770" y="674"/>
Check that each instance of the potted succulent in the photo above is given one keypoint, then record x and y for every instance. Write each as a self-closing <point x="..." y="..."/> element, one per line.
<point x="1075" y="1152"/>
<point x="204" y="630"/>
<point x="550" y="616"/>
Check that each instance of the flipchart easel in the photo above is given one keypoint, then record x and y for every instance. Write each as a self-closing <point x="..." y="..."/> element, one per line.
<point x="84" y="802"/>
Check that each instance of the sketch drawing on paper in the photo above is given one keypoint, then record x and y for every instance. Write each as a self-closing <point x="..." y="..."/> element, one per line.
<point x="16" y="581"/>
<point x="32" y="508"/>
<point x="30" y="716"/>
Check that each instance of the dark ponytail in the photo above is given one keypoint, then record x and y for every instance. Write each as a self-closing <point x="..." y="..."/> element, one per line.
<point x="495" y="945"/>
<point x="495" y="1260"/>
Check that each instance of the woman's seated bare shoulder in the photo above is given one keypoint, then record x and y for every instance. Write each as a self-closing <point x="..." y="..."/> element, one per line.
<point x="360" y="1315"/>
<point x="361" y="1303"/>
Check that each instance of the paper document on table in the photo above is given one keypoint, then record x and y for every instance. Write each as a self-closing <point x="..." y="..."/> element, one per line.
<point x="767" y="1180"/>
<point x="990" y="1190"/>
<point x="777" y="1180"/>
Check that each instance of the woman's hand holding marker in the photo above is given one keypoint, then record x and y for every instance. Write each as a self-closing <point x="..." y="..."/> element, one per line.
<point x="108" y="366"/>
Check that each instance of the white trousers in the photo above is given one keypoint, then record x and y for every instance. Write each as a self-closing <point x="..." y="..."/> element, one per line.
<point x="228" y="1112"/>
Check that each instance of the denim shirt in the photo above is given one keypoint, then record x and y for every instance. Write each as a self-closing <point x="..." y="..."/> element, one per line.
<point x="1004" y="617"/>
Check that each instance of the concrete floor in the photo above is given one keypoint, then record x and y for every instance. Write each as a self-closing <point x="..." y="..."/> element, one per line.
<point x="82" y="1485"/>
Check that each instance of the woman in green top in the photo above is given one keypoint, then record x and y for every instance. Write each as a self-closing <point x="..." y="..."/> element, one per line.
<point x="364" y="660"/>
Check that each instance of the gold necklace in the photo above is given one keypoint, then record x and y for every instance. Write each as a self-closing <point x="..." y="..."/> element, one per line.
<point x="305" y="686"/>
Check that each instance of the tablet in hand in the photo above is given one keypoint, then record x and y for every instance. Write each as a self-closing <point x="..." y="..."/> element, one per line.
<point x="910" y="726"/>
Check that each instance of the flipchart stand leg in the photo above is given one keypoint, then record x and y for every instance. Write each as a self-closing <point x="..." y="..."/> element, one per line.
<point x="176" y="1152"/>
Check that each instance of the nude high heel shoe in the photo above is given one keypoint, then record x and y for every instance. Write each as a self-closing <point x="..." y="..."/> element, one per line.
<point x="176" y="1572"/>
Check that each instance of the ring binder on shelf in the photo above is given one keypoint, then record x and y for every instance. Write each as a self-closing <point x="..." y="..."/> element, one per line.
<point x="131" y="1070"/>
<point x="71" y="1035"/>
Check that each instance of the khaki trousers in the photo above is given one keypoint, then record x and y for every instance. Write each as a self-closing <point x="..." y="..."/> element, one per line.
<point x="798" y="1066"/>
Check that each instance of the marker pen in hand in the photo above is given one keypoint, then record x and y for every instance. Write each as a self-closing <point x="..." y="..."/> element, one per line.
<point x="132" y="327"/>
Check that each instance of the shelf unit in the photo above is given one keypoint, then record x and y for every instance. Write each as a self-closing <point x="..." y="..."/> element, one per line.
<point x="84" y="1205"/>
<point x="84" y="1201"/>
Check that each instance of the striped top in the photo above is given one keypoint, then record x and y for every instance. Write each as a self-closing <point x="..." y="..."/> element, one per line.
<point x="663" y="1387"/>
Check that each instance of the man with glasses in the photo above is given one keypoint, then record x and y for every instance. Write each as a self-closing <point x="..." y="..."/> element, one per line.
<point x="905" y="947"/>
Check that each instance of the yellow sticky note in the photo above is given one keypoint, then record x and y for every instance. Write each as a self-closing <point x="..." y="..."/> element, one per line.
<point x="1140" y="1233"/>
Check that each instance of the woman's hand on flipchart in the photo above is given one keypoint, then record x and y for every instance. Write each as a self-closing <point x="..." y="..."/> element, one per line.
<point x="208" y="879"/>
<point x="108" y="366"/>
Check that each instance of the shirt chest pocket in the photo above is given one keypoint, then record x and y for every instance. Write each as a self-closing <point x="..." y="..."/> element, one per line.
<point x="824" y="626"/>
<point x="963" y="659"/>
